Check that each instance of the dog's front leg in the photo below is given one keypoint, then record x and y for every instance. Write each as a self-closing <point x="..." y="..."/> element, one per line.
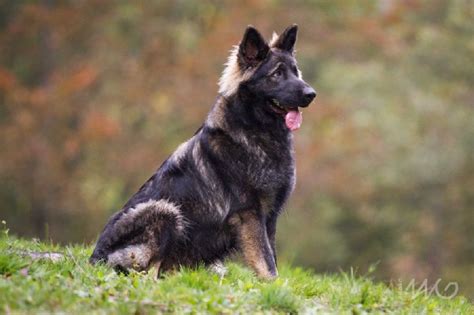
<point x="255" y="245"/>
<point x="271" y="232"/>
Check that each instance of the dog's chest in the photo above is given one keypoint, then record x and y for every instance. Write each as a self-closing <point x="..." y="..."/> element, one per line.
<point x="270" y="164"/>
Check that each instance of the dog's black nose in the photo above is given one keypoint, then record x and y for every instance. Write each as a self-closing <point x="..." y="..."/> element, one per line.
<point x="308" y="94"/>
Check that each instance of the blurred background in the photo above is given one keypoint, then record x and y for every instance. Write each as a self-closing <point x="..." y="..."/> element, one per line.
<point x="94" y="95"/>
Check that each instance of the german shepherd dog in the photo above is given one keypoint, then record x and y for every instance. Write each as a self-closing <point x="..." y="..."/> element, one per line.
<point x="222" y="190"/>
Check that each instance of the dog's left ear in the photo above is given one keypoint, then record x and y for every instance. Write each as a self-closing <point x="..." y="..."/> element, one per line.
<point x="286" y="41"/>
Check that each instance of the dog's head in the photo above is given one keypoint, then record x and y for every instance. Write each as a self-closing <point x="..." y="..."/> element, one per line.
<point x="268" y="72"/>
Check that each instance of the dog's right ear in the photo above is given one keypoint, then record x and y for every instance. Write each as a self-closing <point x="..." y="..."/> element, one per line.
<point x="253" y="48"/>
<point x="286" y="41"/>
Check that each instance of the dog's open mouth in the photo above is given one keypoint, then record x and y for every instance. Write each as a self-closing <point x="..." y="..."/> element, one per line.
<point x="293" y="117"/>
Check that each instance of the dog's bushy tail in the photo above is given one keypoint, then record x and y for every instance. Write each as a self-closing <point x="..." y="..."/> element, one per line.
<point x="141" y="224"/>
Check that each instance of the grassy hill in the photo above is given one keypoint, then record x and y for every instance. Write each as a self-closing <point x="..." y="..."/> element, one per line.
<point x="67" y="283"/>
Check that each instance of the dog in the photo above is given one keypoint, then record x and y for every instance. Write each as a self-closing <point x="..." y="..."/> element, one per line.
<point x="222" y="190"/>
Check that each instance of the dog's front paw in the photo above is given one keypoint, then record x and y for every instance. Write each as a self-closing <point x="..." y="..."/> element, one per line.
<point x="267" y="275"/>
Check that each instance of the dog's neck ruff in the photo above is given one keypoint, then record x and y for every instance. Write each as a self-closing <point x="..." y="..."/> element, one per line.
<point x="233" y="75"/>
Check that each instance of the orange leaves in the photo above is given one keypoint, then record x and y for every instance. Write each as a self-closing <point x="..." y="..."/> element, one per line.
<point x="38" y="97"/>
<point x="79" y="79"/>
<point x="7" y="79"/>
<point x="71" y="147"/>
<point x="83" y="78"/>
<point x="24" y="119"/>
<point x="98" y="125"/>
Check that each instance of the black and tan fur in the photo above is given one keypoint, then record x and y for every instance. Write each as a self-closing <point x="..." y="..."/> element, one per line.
<point x="222" y="190"/>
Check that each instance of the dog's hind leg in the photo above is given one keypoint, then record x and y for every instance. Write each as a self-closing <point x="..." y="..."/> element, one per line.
<point x="254" y="244"/>
<point x="139" y="237"/>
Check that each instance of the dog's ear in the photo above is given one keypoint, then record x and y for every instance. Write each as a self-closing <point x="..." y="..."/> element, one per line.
<point x="286" y="41"/>
<point x="253" y="48"/>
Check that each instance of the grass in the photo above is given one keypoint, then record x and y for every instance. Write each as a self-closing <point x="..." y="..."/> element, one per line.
<point x="71" y="285"/>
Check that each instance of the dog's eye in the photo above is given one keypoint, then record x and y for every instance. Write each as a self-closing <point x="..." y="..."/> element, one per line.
<point x="277" y="73"/>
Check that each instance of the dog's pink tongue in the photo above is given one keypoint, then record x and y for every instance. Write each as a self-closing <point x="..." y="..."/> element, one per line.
<point x="293" y="120"/>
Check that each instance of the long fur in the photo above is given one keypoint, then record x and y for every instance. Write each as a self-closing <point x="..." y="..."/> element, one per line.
<point x="233" y="75"/>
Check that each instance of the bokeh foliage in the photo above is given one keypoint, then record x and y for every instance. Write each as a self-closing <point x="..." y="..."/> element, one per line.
<point x="95" y="94"/>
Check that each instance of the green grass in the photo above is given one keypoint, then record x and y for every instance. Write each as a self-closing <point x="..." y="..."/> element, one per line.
<point x="71" y="285"/>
